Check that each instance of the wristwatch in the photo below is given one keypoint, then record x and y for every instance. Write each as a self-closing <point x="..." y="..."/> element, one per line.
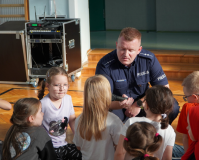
<point x="139" y="103"/>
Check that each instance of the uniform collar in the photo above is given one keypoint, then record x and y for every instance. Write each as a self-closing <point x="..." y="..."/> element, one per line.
<point x="132" y="64"/>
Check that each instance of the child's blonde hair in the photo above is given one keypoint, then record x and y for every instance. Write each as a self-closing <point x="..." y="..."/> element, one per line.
<point x="22" y="109"/>
<point x="50" y="73"/>
<point x="97" y="99"/>
<point x="191" y="82"/>
<point x="142" y="140"/>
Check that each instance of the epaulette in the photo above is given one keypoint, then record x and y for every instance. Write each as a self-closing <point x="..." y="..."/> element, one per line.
<point x="109" y="62"/>
<point x="146" y="54"/>
<point x="109" y="59"/>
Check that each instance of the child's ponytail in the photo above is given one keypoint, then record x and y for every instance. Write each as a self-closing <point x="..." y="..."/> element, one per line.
<point x="153" y="147"/>
<point x="41" y="90"/>
<point x="164" y="121"/>
<point x="144" y="155"/>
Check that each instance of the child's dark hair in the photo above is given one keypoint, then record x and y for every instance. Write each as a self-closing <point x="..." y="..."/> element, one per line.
<point x="142" y="140"/>
<point x="160" y="101"/>
<point x="50" y="73"/>
<point x="22" y="109"/>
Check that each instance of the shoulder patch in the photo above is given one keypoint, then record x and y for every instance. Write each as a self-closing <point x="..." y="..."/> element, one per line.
<point x="146" y="55"/>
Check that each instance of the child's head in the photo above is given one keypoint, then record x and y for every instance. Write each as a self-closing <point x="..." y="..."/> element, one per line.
<point x="160" y="100"/>
<point x="27" y="112"/>
<point x="191" y="87"/>
<point x="97" y="93"/>
<point x="97" y="99"/>
<point x="142" y="140"/>
<point x="57" y="83"/>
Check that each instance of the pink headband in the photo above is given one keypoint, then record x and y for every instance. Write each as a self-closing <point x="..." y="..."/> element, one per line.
<point x="146" y="155"/>
<point x="126" y="139"/>
<point x="157" y="134"/>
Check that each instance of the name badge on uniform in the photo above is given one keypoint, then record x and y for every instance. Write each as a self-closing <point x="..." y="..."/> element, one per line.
<point x="121" y="80"/>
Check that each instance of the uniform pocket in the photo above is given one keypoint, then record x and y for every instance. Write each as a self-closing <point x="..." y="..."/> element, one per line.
<point x="142" y="80"/>
<point x="142" y="84"/>
<point x="120" y="84"/>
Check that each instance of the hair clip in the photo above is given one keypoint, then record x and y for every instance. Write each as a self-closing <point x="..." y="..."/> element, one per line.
<point x="146" y="155"/>
<point x="126" y="139"/>
<point x="157" y="134"/>
<point x="164" y="115"/>
<point x="44" y="80"/>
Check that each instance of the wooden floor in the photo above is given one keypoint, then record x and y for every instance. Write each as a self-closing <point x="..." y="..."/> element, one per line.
<point x="12" y="93"/>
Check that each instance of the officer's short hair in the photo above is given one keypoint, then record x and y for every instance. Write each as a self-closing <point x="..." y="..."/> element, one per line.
<point x="191" y="82"/>
<point x="130" y="34"/>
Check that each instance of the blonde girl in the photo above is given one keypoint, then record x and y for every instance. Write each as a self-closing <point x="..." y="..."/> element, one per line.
<point x="58" y="112"/>
<point x="141" y="141"/>
<point x="26" y="138"/>
<point x="97" y="130"/>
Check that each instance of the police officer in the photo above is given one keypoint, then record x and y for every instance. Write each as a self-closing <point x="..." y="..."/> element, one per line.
<point x="130" y="70"/>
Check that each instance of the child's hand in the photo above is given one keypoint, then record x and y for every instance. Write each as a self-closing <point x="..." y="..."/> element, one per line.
<point x="128" y="114"/>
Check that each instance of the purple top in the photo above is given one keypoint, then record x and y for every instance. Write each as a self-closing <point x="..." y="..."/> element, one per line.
<point x="53" y="118"/>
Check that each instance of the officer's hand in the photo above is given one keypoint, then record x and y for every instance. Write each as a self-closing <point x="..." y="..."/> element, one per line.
<point x="134" y="110"/>
<point x="128" y="114"/>
<point x="127" y="102"/>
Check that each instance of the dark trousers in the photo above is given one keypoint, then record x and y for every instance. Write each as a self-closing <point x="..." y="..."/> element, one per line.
<point x="178" y="151"/>
<point x="192" y="157"/>
<point x="68" y="152"/>
<point x="174" y="112"/>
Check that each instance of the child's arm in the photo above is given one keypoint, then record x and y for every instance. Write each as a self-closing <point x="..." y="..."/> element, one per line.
<point x="120" y="151"/>
<point x="167" y="155"/>
<point x="5" y="105"/>
<point x="185" y="142"/>
<point x="72" y="122"/>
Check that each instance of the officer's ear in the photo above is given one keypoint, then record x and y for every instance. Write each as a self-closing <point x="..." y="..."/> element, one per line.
<point x="140" y="48"/>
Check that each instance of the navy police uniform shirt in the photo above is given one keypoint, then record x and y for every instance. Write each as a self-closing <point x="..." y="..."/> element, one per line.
<point x="134" y="80"/>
